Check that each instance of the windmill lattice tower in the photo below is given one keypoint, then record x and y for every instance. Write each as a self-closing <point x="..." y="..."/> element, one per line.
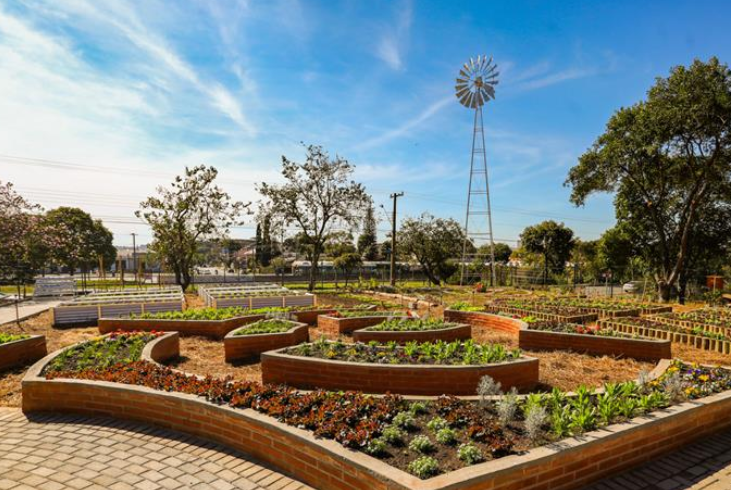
<point x="475" y="86"/>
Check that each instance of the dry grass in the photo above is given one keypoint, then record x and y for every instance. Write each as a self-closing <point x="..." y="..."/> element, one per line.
<point x="569" y="370"/>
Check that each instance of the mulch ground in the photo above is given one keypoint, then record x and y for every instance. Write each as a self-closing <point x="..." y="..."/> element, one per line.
<point x="200" y="355"/>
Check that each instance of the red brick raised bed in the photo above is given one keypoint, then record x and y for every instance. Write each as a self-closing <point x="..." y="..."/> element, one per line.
<point x="20" y="352"/>
<point x="406" y="379"/>
<point x="649" y="349"/>
<point x="246" y="346"/>
<point x="457" y="332"/>
<point x="326" y="465"/>
<point x="216" y="329"/>
<point x="484" y="320"/>
<point x="334" y="326"/>
<point x="310" y="316"/>
<point x="542" y="315"/>
<point x="643" y="349"/>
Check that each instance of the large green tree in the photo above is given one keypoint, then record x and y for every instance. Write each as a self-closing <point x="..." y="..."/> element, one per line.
<point x="79" y="240"/>
<point x="553" y="241"/>
<point x="368" y="239"/>
<point x="191" y="210"/>
<point x="665" y="158"/>
<point x="23" y="245"/>
<point x="434" y="243"/>
<point x="319" y="197"/>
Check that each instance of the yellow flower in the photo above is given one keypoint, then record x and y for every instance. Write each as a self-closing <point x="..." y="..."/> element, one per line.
<point x="673" y="369"/>
<point x="703" y="377"/>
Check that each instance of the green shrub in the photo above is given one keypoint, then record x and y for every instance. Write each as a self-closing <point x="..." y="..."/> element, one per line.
<point x="469" y="453"/>
<point x="421" y="444"/>
<point x="403" y="420"/>
<point x="424" y="467"/>
<point x="8" y="337"/>
<point x="265" y="326"/>
<point x="436" y="424"/>
<point x="446" y="436"/>
<point x="393" y="435"/>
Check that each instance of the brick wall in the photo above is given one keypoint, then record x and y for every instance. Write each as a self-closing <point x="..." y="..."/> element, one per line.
<point x="332" y="326"/>
<point x="216" y="329"/>
<point x="246" y="346"/>
<point x="459" y="332"/>
<point x="650" y="350"/>
<point x="310" y="316"/>
<point x="484" y="320"/>
<point x="324" y="464"/>
<point x="406" y="379"/>
<point x="20" y="352"/>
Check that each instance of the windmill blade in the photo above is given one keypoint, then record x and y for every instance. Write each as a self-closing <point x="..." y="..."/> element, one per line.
<point x="464" y="73"/>
<point x="470" y="99"/>
<point x="462" y="81"/>
<point x="465" y="101"/>
<point x="490" y="91"/>
<point x="462" y="91"/>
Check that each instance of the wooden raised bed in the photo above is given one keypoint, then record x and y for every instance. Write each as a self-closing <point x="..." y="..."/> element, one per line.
<point x="406" y="379"/>
<point x="334" y="326"/>
<point x="216" y="329"/>
<point x="246" y="346"/>
<point x="574" y="463"/>
<point x="20" y="352"/>
<point x="449" y="334"/>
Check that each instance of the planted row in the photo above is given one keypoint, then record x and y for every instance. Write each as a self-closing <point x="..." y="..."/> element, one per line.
<point x="8" y="337"/>
<point x="439" y="352"/>
<point x="411" y="325"/>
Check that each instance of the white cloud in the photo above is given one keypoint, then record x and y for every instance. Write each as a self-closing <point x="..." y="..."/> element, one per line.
<point x="393" y="43"/>
<point x="403" y="129"/>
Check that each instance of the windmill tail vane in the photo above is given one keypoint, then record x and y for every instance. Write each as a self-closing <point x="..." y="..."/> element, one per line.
<point x="475" y="86"/>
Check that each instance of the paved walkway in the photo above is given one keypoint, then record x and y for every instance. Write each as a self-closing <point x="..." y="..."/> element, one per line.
<point x="25" y="310"/>
<point x="704" y="465"/>
<point x="63" y="452"/>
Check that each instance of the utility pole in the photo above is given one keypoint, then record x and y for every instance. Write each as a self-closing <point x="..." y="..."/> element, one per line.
<point x="134" y="256"/>
<point x="395" y="197"/>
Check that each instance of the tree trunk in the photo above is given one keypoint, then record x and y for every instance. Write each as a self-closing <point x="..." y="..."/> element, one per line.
<point x="664" y="290"/>
<point x="313" y="272"/>
<point x="682" y="288"/>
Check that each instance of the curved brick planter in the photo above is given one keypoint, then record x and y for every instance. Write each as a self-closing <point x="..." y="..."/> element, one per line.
<point x="324" y="464"/>
<point x="643" y="349"/>
<point x="246" y="346"/>
<point x="646" y="349"/>
<point x="406" y="379"/>
<point x="216" y="329"/>
<point x="458" y="332"/>
<point x="20" y="352"/>
<point x="484" y="320"/>
<point x="334" y="326"/>
<point x="162" y="349"/>
<point x="310" y="316"/>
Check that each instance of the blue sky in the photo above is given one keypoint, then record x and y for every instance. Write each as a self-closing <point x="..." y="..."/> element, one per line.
<point x="104" y="100"/>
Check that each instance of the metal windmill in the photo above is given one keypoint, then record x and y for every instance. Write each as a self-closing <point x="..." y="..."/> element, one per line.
<point x="475" y="86"/>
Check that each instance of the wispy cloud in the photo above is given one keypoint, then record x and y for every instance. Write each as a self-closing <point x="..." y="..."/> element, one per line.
<point x="122" y="17"/>
<point x="403" y="129"/>
<point x="392" y="45"/>
<point x="555" y="78"/>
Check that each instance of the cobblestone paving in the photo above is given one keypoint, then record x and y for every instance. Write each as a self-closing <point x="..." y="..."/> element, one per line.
<point x="63" y="452"/>
<point x="703" y="465"/>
